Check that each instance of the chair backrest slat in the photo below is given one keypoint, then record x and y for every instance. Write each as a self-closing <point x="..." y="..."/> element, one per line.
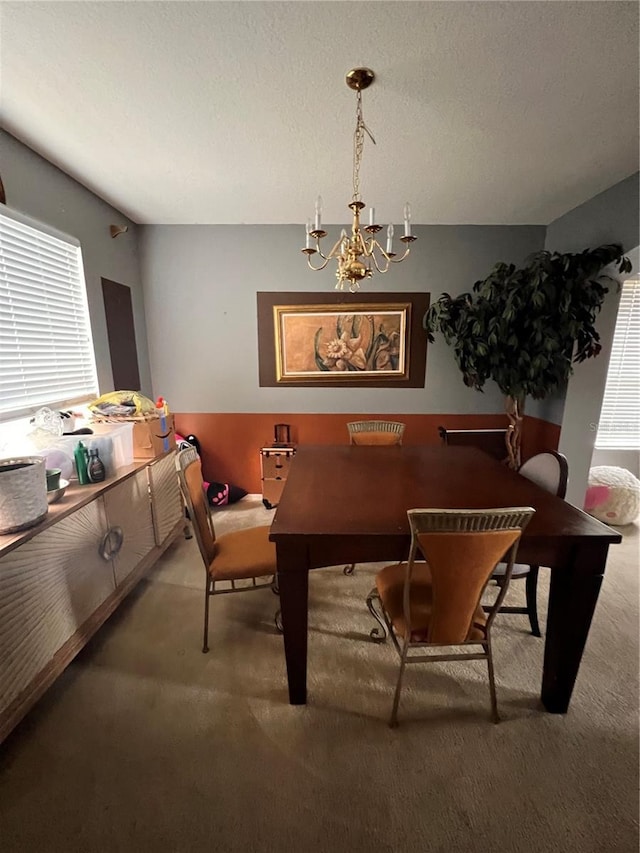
<point x="189" y="469"/>
<point x="375" y="432"/>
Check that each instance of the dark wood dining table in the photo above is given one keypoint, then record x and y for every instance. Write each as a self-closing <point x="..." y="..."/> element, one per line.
<point x="347" y="504"/>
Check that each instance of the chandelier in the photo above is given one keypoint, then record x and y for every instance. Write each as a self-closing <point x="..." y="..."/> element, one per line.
<point x="356" y="253"/>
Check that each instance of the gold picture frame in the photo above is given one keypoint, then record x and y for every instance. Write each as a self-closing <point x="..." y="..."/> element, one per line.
<point x="326" y="339"/>
<point x="359" y="341"/>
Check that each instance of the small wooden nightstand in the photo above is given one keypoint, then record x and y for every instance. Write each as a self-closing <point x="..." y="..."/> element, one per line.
<point x="275" y="463"/>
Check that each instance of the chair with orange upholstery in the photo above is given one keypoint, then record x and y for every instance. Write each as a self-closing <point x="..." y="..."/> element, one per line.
<point x="375" y="432"/>
<point x="241" y="555"/>
<point x="435" y="601"/>
<point x="372" y="434"/>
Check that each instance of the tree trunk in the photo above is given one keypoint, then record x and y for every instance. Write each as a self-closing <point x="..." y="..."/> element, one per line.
<point x="515" y="412"/>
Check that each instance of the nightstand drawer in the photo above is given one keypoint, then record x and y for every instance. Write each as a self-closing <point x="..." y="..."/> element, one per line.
<point x="272" y="491"/>
<point x="276" y="464"/>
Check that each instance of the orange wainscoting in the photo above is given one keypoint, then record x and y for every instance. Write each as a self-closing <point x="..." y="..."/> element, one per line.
<point x="231" y="443"/>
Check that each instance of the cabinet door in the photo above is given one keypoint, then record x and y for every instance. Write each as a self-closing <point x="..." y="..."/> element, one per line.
<point x="166" y="500"/>
<point x="128" y="508"/>
<point x="48" y="587"/>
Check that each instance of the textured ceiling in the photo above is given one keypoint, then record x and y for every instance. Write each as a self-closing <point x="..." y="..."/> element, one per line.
<point x="217" y="112"/>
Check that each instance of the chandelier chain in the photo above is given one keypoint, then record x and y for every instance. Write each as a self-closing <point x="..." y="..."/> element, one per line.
<point x="358" y="146"/>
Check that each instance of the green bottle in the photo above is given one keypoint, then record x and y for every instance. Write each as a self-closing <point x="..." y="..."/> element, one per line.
<point x="80" y="455"/>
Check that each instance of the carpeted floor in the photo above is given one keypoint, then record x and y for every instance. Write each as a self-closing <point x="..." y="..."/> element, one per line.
<point x="144" y="744"/>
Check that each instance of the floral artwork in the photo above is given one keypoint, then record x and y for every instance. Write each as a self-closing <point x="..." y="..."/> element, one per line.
<point x="321" y="342"/>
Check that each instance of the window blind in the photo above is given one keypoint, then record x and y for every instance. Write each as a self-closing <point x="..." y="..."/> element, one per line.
<point x="46" y="349"/>
<point x="619" y="425"/>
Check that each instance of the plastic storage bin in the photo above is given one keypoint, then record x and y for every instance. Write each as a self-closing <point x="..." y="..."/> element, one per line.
<point x="114" y="443"/>
<point x="120" y="434"/>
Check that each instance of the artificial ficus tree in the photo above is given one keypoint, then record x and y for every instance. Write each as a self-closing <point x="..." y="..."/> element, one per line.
<point x="524" y="327"/>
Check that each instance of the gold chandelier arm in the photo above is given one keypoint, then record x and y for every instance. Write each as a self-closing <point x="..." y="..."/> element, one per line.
<point x="377" y="265"/>
<point x="402" y="257"/>
<point x="390" y="259"/>
<point x="375" y="245"/>
<point x="372" y="245"/>
<point x="367" y="246"/>
<point x="334" y="253"/>
<point x="317" y="269"/>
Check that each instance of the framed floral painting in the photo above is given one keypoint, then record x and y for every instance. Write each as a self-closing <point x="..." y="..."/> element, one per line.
<point x="321" y="339"/>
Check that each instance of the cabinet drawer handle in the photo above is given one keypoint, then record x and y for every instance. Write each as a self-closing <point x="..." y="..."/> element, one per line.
<point x="111" y="543"/>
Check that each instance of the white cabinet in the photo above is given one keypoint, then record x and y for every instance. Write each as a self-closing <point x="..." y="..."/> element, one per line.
<point x="128" y="511"/>
<point x="60" y="580"/>
<point x="166" y="500"/>
<point x="48" y="588"/>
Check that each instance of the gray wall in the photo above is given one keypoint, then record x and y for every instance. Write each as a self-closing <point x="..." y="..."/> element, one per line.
<point x="610" y="217"/>
<point x="629" y="459"/>
<point x="200" y="285"/>
<point x="36" y="187"/>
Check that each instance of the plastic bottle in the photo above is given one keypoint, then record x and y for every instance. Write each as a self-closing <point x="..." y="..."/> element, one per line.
<point x="162" y="410"/>
<point x="80" y="456"/>
<point x="95" y="469"/>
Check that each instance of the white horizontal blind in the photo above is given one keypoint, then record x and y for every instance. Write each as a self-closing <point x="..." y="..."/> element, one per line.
<point x="46" y="350"/>
<point x="619" y="425"/>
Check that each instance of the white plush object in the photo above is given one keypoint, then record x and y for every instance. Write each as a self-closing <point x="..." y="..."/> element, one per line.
<point x="613" y="495"/>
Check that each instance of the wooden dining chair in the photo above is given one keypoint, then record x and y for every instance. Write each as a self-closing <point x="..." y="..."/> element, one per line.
<point x="550" y="471"/>
<point x="434" y="599"/>
<point x="239" y="561"/>
<point x="369" y="434"/>
<point x="383" y="433"/>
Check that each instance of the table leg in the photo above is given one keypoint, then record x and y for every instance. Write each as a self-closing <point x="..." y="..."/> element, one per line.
<point x="572" y="600"/>
<point x="293" y="581"/>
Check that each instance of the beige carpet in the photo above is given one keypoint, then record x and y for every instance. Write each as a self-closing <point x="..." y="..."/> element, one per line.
<point x="145" y="744"/>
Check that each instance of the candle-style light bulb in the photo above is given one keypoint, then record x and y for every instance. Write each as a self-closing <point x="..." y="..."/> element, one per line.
<point x="318" y="213"/>
<point x="308" y="233"/>
<point x="389" y="239"/>
<point x="407" y="220"/>
<point x="372" y="216"/>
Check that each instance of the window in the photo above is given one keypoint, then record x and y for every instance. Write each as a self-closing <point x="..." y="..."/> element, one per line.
<point x="619" y="425"/>
<point x="47" y="356"/>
